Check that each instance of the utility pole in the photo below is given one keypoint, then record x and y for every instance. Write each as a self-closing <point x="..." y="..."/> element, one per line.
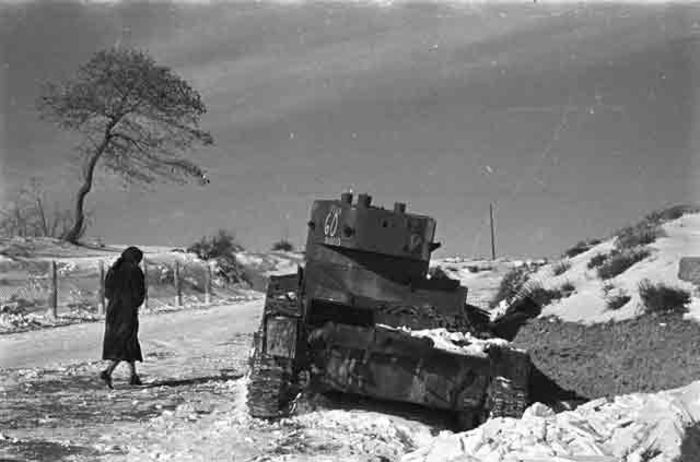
<point x="493" y="239"/>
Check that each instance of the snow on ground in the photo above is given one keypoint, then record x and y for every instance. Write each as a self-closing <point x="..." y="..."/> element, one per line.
<point x="625" y="429"/>
<point x="79" y="258"/>
<point x="271" y="263"/>
<point x="319" y="435"/>
<point x="587" y="304"/>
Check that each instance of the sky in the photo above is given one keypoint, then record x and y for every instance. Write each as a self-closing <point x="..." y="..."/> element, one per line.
<point x="573" y="119"/>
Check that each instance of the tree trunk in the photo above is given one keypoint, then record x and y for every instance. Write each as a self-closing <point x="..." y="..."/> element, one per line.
<point x="42" y="216"/>
<point x="78" y="229"/>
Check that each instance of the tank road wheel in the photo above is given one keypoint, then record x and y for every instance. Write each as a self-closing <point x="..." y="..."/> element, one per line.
<point x="507" y="394"/>
<point x="270" y="386"/>
<point x="505" y="400"/>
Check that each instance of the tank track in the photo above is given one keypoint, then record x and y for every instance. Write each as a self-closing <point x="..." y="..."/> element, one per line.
<point x="507" y="395"/>
<point x="270" y="387"/>
<point x="505" y="399"/>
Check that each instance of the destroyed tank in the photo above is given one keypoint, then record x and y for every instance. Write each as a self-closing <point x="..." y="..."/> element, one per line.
<point x="353" y="319"/>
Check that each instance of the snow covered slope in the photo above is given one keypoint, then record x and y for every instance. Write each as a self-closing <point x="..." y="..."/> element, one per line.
<point x="587" y="303"/>
<point x="630" y="428"/>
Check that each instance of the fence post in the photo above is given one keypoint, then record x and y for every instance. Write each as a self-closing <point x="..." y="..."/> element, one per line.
<point x="145" y="282"/>
<point x="53" y="298"/>
<point x="178" y="285"/>
<point x="101" y="290"/>
<point x="207" y="283"/>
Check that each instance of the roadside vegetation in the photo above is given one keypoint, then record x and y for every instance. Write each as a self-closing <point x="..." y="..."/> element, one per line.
<point x="283" y="245"/>
<point x="581" y="247"/>
<point x="561" y="267"/>
<point x="511" y="285"/>
<point x="615" y="298"/>
<point x="649" y="228"/>
<point x="30" y="213"/>
<point x="221" y="248"/>
<point x="617" y="262"/>
<point x="662" y="299"/>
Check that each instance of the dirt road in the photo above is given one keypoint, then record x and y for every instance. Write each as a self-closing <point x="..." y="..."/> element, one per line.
<point x="187" y="331"/>
<point x="54" y="407"/>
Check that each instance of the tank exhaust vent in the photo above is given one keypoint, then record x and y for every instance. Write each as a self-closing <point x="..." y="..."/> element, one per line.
<point x="364" y="200"/>
<point x="346" y="198"/>
<point x="399" y="207"/>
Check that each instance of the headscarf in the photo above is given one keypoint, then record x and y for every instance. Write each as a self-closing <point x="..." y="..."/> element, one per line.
<point x="130" y="255"/>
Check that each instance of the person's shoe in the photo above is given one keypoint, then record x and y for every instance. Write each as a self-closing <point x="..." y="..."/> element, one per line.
<point x="107" y="379"/>
<point x="135" y="380"/>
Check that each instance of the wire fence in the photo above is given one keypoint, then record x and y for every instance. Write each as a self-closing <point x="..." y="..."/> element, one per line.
<point x="62" y="287"/>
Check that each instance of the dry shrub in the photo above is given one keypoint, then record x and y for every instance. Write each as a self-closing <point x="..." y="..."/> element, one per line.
<point x="649" y="229"/>
<point x="567" y="289"/>
<point x="561" y="267"/>
<point x="581" y="246"/>
<point x="617" y="301"/>
<point x="597" y="260"/>
<point x="283" y="245"/>
<point x="221" y="248"/>
<point x="660" y="298"/>
<point x="511" y="284"/>
<point x="617" y="262"/>
<point x="638" y="235"/>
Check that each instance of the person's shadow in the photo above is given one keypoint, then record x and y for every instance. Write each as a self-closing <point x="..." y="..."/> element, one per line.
<point x="224" y="377"/>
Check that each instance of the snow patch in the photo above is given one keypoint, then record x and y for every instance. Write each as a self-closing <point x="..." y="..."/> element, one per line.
<point x="457" y="342"/>
<point x="618" y="430"/>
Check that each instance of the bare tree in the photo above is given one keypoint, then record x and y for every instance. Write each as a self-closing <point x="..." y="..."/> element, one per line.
<point x="29" y="214"/>
<point x="134" y="115"/>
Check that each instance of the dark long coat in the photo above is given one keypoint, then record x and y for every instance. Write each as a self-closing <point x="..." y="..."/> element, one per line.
<point x="125" y="288"/>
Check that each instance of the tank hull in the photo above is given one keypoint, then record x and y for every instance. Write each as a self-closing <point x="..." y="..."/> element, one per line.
<point x="344" y="323"/>
<point x="377" y="361"/>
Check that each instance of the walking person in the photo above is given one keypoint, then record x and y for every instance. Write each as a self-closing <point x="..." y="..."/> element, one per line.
<point x="126" y="290"/>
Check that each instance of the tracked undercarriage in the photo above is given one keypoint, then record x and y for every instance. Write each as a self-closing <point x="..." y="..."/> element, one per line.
<point x="354" y="320"/>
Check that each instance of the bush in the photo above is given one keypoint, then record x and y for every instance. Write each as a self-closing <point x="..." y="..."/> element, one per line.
<point x="284" y="245"/>
<point x="511" y="284"/>
<point x="221" y="248"/>
<point x="617" y="301"/>
<point x="567" y="289"/>
<point x="608" y="287"/>
<point x="580" y="247"/>
<point x="641" y="234"/>
<point x="649" y="229"/>
<point x="660" y="298"/>
<point x="618" y="262"/>
<point x="561" y="267"/>
<point x="597" y="260"/>
<point x="671" y="213"/>
<point x="544" y="297"/>
<point x="222" y="244"/>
